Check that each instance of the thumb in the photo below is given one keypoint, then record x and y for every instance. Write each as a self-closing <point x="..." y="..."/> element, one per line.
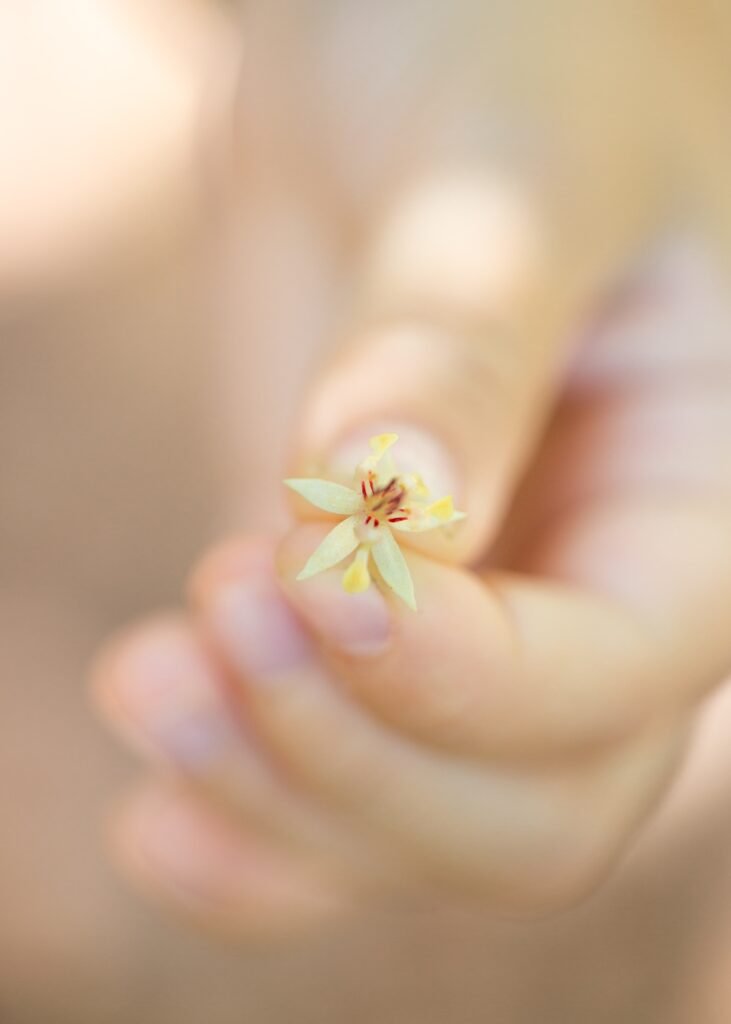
<point x="467" y="306"/>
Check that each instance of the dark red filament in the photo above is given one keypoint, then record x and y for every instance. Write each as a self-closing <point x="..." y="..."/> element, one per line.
<point x="398" y="519"/>
<point x="384" y="501"/>
<point x="363" y="488"/>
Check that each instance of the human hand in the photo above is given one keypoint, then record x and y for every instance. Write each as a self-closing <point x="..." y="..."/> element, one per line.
<point x="504" y="742"/>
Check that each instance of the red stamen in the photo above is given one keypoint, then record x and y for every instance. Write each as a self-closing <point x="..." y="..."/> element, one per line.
<point x="368" y="519"/>
<point x="373" y="489"/>
<point x="376" y="522"/>
<point x="363" y="489"/>
<point x="398" y="519"/>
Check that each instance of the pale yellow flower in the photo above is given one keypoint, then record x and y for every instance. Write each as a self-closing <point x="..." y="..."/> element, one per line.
<point x="382" y="504"/>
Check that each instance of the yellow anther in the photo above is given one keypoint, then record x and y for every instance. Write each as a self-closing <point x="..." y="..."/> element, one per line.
<point x="381" y="442"/>
<point x="415" y="484"/>
<point x="442" y="509"/>
<point x="356" y="578"/>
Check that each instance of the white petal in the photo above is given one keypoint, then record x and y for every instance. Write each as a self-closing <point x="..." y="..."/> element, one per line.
<point x="380" y="461"/>
<point x="328" y="496"/>
<point x="339" y="542"/>
<point x="427" y="523"/>
<point x="386" y="470"/>
<point x="393" y="568"/>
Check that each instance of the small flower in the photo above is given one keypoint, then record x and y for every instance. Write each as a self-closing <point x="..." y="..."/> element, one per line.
<point x="382" y="504"/>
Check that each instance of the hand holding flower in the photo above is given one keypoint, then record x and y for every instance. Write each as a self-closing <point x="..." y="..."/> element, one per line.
<point x="503" y="742"/>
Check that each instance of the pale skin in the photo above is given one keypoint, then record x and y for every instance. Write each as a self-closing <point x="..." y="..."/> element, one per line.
<point x="313" y="751"/>
<point x="504" y="743"/>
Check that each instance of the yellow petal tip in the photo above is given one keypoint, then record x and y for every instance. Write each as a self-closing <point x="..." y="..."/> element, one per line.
<point x="381" y="442"/>
<point x="356" y="578"/>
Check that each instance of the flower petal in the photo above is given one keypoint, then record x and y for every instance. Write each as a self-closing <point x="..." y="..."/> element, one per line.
<point x="328" y="496"/>
<point x="386" y="470"/>
<point x="338" y="543"/>
<point x="393" y="568"/>
<point x="379" y="447"/>
<point x="427" y="522"/>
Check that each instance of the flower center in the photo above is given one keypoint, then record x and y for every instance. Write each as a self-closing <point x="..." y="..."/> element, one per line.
<point x="384" y="502"/>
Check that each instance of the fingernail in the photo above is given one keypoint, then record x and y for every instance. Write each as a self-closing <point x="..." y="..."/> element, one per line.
<point x="258" y="630"/>
<point x="170" y="698"/>
<point x="205" y="860"/>
<point x="179" y="840"/>
<point x="417" y="451"/>
<point x="356" y="624"/>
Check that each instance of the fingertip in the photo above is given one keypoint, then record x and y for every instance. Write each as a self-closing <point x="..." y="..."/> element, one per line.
<point x="229" y="560"/>
<point x="161" y="693"/>
<point x="139" y="649"/>
<point x="358" y="624"/>
<point x="194" y="860"/>
<point x="294" y="549"/>
<point x="423" y="450"/>
<point x="423" y="672"/>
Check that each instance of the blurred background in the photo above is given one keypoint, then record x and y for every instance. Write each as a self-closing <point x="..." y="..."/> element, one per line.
<point x="184" y="186"/>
